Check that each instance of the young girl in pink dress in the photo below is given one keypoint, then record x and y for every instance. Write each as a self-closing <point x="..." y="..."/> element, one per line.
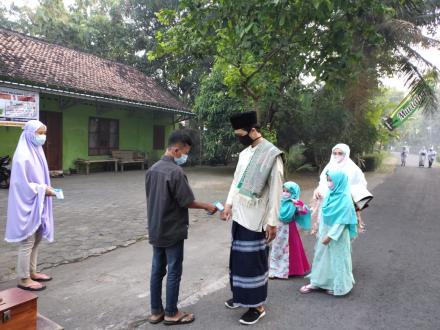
<point x="287" y="257"/>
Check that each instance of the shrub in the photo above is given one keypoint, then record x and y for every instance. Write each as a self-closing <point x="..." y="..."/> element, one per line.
<point x="371" y="162"/>
<point x="295" y="159"/>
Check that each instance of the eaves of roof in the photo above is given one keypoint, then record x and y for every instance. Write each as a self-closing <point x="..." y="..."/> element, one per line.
<point x="95" y="97"/>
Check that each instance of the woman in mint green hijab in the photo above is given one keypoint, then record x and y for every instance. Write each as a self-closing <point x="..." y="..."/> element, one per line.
<point x="332" y="266"/>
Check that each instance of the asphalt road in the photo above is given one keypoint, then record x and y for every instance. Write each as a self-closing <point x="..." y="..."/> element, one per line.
<point x="396" y="267"/>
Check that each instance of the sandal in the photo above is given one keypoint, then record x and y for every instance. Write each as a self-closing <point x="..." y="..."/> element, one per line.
<point x="32" y="287"/>
<point x="276" y="278"/>
<point x="308" y="289"/>
<point x="181" y="320"/>
<point x="160" y="318"/>
<point x="43" y="278"/>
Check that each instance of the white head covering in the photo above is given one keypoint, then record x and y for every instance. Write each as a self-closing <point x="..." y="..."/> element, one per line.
<point x="334" y="164"/>
<point x="354" y="173"/>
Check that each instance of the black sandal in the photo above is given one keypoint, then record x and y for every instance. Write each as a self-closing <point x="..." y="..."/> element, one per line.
<point x="30" y="288"/>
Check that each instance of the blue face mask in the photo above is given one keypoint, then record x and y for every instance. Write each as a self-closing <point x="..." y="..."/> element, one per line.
<point x="181" y="160"/>
<point x="39" y="139"/>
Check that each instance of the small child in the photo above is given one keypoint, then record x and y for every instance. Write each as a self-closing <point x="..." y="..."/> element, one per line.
<point x="287" y="257"/>
<point x="332" y="266"/>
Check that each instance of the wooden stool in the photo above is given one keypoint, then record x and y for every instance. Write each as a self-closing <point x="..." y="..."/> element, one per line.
<point x="18" y="310"/>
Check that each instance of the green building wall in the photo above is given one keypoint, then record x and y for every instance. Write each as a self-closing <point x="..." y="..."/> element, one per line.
<point x="8" y="140"/>
<point x="135" y="129"/>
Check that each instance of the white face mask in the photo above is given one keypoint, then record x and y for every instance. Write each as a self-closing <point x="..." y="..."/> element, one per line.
<point x="338" y="158"/>
<point x="39" y="139"/>
<point x="285" y="195"/>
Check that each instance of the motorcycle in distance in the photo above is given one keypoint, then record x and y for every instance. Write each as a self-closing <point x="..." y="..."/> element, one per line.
<point x="5" y="172"/>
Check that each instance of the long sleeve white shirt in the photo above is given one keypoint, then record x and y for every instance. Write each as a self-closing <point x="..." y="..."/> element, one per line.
<point x="256" y="218"/>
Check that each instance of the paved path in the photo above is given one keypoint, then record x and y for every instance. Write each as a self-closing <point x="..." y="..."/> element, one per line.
<point x="110" y="291"/>
<point x="396" y="267"/>
<point x="100" y="213"/>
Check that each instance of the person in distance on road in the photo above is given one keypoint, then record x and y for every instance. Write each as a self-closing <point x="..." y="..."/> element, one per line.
<point x="422" y="157"/>
<point x="432" y="155"/>
<point x="403" y="156"/>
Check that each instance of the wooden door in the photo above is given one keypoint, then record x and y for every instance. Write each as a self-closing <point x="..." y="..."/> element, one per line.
<point x="53" y="148"/>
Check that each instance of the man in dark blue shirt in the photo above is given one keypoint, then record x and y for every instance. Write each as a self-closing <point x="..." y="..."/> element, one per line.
<point x="169" y="197"/>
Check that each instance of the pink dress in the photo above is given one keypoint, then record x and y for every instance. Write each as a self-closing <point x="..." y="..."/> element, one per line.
<point x="298" y="263"/>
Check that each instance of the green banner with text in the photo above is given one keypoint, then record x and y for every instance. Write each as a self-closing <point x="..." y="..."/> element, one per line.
<point x="410" y="104"/>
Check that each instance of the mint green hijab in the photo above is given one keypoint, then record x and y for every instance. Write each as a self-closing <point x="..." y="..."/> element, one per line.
<point x="288" y="209"/>
<point x="338" y="207"/>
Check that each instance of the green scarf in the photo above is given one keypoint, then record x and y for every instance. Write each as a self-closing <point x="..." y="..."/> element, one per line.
<point x="257" y="172"/>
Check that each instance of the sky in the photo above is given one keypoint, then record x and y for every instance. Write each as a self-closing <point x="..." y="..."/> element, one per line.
<point x="432" y="55"/>
<point x="30" y="3"/>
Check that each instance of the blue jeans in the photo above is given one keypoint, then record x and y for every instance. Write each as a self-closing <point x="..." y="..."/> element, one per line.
<point x="172" y="257"/>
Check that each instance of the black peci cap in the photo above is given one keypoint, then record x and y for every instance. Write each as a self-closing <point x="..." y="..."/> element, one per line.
<point x="243" y="119"/>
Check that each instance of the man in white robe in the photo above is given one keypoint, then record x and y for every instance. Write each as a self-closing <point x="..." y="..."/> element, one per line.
<point x="253" y="205"/>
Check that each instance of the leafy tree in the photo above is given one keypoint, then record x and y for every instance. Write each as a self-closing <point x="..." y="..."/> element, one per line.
<point x="266" y="53"/>
<point x="214" y="106"/>
<point x="5" y="13"/>
<point x="323" y="122"/>
<point x="255" y="43"/>
<point x="144" y="26"/>
<point x="95" y="26"/>
<point x="263" y="46"/>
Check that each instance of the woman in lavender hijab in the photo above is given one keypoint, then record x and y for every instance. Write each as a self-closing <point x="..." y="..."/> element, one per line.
<point x="29" y="216"/>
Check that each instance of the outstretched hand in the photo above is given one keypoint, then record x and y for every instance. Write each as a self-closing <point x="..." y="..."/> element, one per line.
<point x="227" y="213"/>
<point x="211" y="208"/>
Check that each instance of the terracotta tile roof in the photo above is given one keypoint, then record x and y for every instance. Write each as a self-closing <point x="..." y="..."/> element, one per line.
<point x="33" y="60"/>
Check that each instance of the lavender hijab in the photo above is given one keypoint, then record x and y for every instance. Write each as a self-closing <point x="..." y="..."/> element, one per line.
<point x="28" y="206"/>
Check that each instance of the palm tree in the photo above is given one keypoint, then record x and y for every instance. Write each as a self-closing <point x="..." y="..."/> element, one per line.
<point x="403" y="34"/>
